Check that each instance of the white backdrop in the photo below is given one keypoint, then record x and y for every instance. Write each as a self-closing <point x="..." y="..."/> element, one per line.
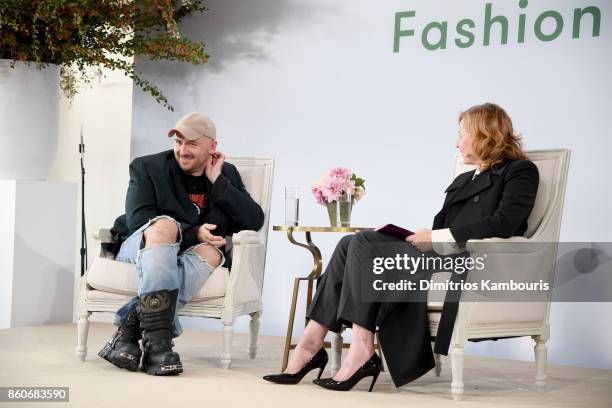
<point x="316" y="84"/>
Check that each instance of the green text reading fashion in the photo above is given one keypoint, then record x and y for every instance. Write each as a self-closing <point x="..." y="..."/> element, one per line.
<point x="547" y="26"/>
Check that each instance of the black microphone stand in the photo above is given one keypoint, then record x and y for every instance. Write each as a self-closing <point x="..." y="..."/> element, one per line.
<point x="83" y="230"/>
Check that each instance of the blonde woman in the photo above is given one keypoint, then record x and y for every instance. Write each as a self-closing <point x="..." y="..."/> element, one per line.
<point x="494" y="200"/>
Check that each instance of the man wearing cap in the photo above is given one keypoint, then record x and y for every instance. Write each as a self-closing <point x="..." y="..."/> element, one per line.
<point x="180" y="204"/>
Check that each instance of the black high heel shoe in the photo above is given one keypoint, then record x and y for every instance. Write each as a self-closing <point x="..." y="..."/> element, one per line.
<point x="372" y="367"/>
<point x="319" y="361"/>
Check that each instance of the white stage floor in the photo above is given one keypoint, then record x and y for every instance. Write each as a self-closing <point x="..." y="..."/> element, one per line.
<point x="44" y="356"/>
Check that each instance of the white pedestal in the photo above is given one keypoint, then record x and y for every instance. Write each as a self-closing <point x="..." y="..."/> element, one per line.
<point x="37" y="252"/>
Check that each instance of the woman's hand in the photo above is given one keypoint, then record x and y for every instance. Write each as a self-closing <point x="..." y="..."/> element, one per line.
<point x="205" y="235"/>
<point x="421" y="239"/>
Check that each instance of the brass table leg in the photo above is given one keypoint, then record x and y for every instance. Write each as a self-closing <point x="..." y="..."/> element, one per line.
<point x="314" y="274"/>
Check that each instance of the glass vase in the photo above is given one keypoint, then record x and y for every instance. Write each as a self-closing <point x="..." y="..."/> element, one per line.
<point x="340" y="211"/>
<point x="332" y="212"/>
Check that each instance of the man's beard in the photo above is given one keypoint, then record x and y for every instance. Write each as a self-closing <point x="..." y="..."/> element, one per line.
<point x="191" y="166"/>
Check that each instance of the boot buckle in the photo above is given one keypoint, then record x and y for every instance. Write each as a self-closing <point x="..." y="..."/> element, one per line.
<point x="171" y="367"/>
<point x="128" y="356"/>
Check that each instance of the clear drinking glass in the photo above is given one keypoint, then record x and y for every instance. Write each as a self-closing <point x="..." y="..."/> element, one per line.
<point x="344" y="209"/>
<point x="292" y="206"/>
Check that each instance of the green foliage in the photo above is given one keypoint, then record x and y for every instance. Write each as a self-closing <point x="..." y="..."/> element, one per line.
<point x="359" y="182"/>
<point x="78" y="34"/>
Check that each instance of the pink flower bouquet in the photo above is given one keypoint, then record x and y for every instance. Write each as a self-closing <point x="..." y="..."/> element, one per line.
<point x="338" y="183"/>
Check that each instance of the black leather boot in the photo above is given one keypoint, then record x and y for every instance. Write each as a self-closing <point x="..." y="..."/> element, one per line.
<point x="156" y="312"/>
<point x="123" y="349"/>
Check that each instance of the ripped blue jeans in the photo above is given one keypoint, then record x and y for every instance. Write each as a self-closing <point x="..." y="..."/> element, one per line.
<point x="164" y="267"/>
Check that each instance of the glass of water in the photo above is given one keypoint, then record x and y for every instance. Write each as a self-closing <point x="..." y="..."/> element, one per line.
<point x="344" y="208"/>
<point x="292" y="206"/>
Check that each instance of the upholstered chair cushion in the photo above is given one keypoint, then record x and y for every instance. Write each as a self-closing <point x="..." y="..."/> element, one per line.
<point x="117" y="277"/>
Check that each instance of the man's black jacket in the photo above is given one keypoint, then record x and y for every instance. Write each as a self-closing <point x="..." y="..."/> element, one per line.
<point x="156" y="189"/>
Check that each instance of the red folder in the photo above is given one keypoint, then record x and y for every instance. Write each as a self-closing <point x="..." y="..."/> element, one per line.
<point x="394" y="231"/>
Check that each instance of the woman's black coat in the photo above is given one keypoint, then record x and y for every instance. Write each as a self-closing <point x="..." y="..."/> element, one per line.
<point x="496" y="203"/>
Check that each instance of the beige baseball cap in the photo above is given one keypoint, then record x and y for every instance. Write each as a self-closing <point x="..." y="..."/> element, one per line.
<point x="193" y="126"/>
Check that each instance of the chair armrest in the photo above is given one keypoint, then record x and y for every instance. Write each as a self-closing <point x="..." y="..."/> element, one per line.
<point x="246" y="276"/>
<point x="246" y="237"/>
<point x="512" y="245"/>
<point x="103" y="235"/>
<point x="516" y="259"/>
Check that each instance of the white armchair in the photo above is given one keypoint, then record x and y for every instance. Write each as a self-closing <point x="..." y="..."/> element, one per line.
<point x="487" y="319"/>
<point x="108" y="284"/>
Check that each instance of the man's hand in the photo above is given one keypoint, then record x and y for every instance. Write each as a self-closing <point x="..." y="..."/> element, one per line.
<point x="421" y="239"/>
<point x="205" y="235"/>
<point x="214" y="164"/>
